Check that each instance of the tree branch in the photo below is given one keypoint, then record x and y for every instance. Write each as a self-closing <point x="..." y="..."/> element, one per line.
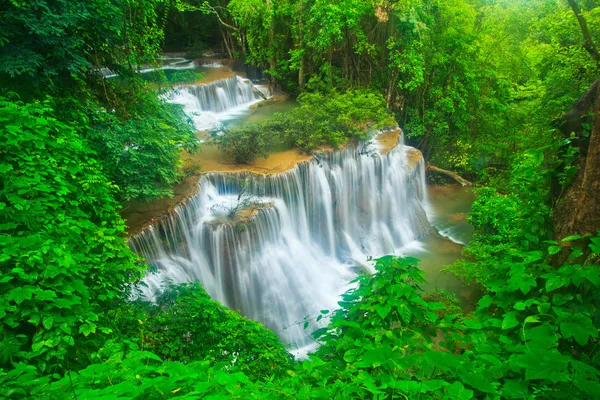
<point x="450" y="174"/>
<point x="571" y="121"/>
<point x="207" y="8"/>
<point x="588" y="44"/>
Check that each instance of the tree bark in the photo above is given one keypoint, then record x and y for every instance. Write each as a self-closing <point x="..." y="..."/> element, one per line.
<point x="588" y="43"/>
<point x="450" y="174"/>
<point x="577" y="211"/>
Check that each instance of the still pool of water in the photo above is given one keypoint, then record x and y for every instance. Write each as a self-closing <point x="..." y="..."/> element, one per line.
<point x="445" y="241"/>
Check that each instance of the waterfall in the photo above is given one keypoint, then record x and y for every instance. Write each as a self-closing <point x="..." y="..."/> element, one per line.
<point x="215" y="102"/>
<point x="174" y="63"/>
<point x="303" y="234"/>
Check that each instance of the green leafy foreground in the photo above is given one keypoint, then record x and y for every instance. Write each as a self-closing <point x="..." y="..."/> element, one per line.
<point x="533" y="336"/>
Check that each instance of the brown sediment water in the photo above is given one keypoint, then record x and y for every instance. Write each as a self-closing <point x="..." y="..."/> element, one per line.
<point x="211" y="75"/>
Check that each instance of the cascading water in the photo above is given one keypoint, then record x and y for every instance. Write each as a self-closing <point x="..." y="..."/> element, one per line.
<point x="209" y="104"/>
<point x="300" y="238"/>
<point x="171" y="63"/>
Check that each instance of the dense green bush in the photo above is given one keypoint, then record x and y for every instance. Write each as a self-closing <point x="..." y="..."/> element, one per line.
<point x="529" y="337"/>
<point x="331" y="118"/>
<point x="62" y="257"/>
<point x="510" y="215"/>
<point x="248" y="142"/>
<point x="186" y="325"/>
<point x="141" y="151"/>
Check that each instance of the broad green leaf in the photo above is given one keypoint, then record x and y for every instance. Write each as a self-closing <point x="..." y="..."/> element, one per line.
<point x="485" y="301"/>
<point x="515" y="389"/>
<point x="45" y="295"/>
<point x="580" y="327"/>
<point x="472" y="324"/>
<point x="554" y="282"/>
<point x="510" y="320"/>
<point x="373" y="358"/>
<point x="20" y="294"/>
<point x="571" y="238"/>
<point x="47" y="322"/>
<point x="477" y="381"/>
<point x="383" y="310"/>
<point x="86" y="329"/>
<point x="404" y="312"/>
<point x="553" y="250"/>
<point x="543" y="364"/>
<point x="540" y="338"/>
<point x="457" y="391"/>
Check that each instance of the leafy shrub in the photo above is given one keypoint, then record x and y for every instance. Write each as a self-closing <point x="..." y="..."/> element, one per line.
<point x="186" y="325"/>
<point x="248" y="142"/>
<point x="513" y="215"/>
<point x="335" y="118"/>
<point x="529" y="337"/>
<point x="62" y="257"/>
<point x="141" y="151"/>
<point x="331" y="118"/>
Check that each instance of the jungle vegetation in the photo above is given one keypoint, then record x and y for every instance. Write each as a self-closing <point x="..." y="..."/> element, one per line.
<point x="505" y="92"/>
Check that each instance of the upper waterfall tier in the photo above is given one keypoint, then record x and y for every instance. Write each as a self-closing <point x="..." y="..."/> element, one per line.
<point x="310" y="231"/>
<point x="212" y="103"/>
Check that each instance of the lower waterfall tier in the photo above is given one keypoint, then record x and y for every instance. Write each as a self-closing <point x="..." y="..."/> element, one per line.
<point x="282" y="247"/>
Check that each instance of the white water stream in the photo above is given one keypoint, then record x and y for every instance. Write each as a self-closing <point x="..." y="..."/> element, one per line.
<point x="210" y="104"/>
<point x="320" y="222"/>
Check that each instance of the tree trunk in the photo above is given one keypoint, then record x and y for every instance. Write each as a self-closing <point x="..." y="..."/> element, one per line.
<point x="577" y="211"/>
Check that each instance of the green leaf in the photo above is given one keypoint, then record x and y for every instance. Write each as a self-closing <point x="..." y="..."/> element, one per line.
<point x="595" y="245"/>
<point x="45" y="295"/>
<point x="554" y="282"/>
<point x="373" y="358"/>
<point x="478" y="381"/>
<point x="543" y="364"/>
<point x="383" y="310"/>
<point x="515" y="389"/>
<point x="20" y="294"/>
<point x="65" y="328"/>
<point x="540" y="338"/>
<point x="47" y="322"/>
<point x="457" y="391"/>
<point x="591" y="273"/>
<point x="407" y="386"/>
<point x="86" y="329"/>
<point x="472" y="324"/>
<point x="526" y="283"/>
<point x="575" y="253"/>
<point x="404" y="312"/>
<point x="580" y="327"/>
<point x="148" y="354"/>
<point x="571" y="238"/>
<point x="553" y="250"/>
<point x="510" y="320"/>
<point x="531" y="319"/>
<point x="485" y="301"/>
